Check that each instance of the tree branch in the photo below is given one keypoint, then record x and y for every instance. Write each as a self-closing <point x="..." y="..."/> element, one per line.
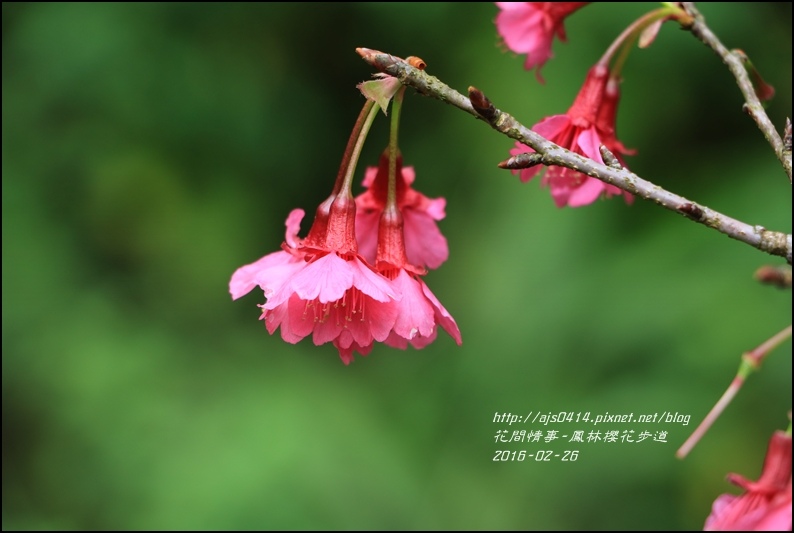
<point x="752" y="105"/>
<point x="772" y="242"/>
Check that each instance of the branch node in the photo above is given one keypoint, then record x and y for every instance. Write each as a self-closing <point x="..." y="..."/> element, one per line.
<point x="693" y="211"/>
<point x="774" y="242"/>
<point x="787" y="136"/>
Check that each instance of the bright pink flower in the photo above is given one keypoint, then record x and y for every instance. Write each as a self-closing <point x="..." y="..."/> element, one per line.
<point x="425" y="246"/>
<point x="589" y="123"/>
<point x="419" y="314"/>
<point x="529" y="28"/>
<point x="766" y="503"/>
<point x="320" y="285"/>
<point x="329" y="295"/>
<point x="418" y="311"/>
<point x="606" y="122"/>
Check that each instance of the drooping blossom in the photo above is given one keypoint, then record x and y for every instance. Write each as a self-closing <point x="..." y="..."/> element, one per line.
<point x="320" y="285"/>
<point x="589" y="123"/>
<point x="419" y="313"/>
<point x="606" y="123"/>
<point x="425" y="246"/>
<point x="765" y="504"/>
<point x="529" y="28"/>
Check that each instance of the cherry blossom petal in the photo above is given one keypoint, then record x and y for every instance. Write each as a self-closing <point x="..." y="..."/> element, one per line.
<point x="293" y="227"/>
<point x="325" y="279"/>
<point x="371" y="283"/>
<point x="424" y="243"/>
<point x="590" y="144"/>
<point x="367" y="233"/>
<point x="551" y="127"/>
<point x="416" y="313"/>
<point x="346" y="352"/>
<point x="249" y="276"/>
<point x="586" y="193"/>
<point x="443" y="318"/>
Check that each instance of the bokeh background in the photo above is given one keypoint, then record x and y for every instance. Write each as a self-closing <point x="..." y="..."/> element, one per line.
<point x="150" y="150"/>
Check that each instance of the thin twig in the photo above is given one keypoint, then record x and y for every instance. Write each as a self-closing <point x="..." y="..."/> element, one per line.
<point x="751" y="361"/>
<point x="752" y="105"/>
<point x="772" y="242"/>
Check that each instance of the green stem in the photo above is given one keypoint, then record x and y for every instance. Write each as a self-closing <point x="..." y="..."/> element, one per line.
<point x="344" y="180"/>
<point x="625" y="41"/>
<point x="396" y="108"/>
<point x="757" y="356"/>
<point x="750" y="363"/>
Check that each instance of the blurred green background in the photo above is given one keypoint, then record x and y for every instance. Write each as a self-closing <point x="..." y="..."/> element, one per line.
<point x="150" y="150"/>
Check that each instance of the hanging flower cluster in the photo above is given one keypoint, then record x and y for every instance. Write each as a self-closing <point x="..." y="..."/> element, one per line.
<point x="529" y="28"/>
<point x="355" y="279"/>
<point x="589" y="123"/>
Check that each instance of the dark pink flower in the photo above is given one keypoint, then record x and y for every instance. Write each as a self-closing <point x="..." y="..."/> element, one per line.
<point x="425" y="246"/>
<point x="606" y="122"/>
<point x="529" y="28"/>
<point x="589" y="123"/>
<point x="320" y="285"/>
<point x="418" y="311"/>
<point x="329" y="295"/>
<point x="419" y="314"/>
<point x="765" y="504"/>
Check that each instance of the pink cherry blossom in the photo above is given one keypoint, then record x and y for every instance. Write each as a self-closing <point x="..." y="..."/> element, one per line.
<point x="320" y="285"/>
<point x="425" y="246"/>
<point x="766" y="504"/>
<point x="331" y="295"/>
<point x="529" y="28"/>
<point x="414" y="317"/>
<point x="589" y="123"/>
<point x="419" y="313"/>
